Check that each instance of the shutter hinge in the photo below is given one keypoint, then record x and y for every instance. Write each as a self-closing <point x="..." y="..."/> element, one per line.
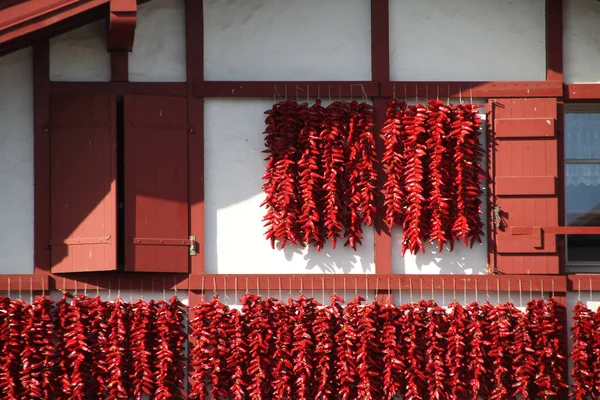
<point x="191" y="129"/>
<point x="193" y="246"/>
<point x="498" y="218"/>
<point x="46" y="128"/>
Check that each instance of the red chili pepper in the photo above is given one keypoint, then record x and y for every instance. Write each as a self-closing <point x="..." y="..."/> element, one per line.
<point x="437" y="344"/>
<point x="393" y="159"/>
<point x="143" y="342"/>
<point x="324" y="328"/>
<point x="584" y="338"/>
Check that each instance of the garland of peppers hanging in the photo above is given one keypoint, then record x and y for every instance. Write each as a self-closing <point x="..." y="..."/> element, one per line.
<point x="422" y="350"/>
<point x="320" y="173"/>
<point x="432" y="159"/>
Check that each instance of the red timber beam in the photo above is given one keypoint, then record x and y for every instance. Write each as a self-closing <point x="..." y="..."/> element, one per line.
<point x="122" y="22"/>
<point x="31" y="16"/>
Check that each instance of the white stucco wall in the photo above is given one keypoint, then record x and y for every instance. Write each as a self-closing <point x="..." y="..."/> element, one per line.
<point x="234" y="166"/>
<point x="581" y="41"/>
<point x="159" y="48"/>
<point x="467" y="40"/>
<point x="16" y="162"/>
<point x="80" y="55"/>
<point x="287" y="40"/>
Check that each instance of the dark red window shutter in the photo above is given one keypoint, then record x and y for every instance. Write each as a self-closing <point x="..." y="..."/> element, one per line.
<point x="525" y="170"/>
<point x="83" y="183"/>
<point x="156" y="184"/>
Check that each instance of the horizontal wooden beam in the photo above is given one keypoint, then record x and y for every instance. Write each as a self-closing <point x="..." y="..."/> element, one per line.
<point x="253" y="282"/>
<point x="379" y="282"/>
<point x="583" y="282"/>
<point x="121" y="88"/>
<point x="468" y="90"/>
<point x="582" y="91"/>
<point x="292" y="89"/>
<point x="525" y="185"/>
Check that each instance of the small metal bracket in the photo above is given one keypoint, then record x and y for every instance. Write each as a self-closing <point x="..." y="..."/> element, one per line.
<point x="193" y="246"/>
<point x="498" y="218"/>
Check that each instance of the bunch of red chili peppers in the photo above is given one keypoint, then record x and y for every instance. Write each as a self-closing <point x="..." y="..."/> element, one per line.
<point x="87" y="348"/>
<point x="320" y="174"/>
<point x="586" y="352"/>
<point x="271" y="349"/>
<point x="434" y="174"/>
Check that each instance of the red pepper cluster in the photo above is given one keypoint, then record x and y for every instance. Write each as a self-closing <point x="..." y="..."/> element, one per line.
<point x="585" y="353"/>
<point x="433" y="163"/>
<point x="86" y="348"/>
<point x="320" y="174"/>
<point x="272" y="349"/>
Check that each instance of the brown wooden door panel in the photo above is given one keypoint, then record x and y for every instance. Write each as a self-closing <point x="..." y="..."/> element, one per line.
<point x="525" y="176"/>
<point x="83" y="184"/>
<point x="156" y="184"/>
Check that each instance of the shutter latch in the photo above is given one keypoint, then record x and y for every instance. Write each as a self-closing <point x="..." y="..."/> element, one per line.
<point x="498" y="217"/>
<point x="193" y="246"/>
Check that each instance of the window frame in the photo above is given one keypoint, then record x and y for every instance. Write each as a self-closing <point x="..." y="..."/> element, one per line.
<point x="577" y="108"/>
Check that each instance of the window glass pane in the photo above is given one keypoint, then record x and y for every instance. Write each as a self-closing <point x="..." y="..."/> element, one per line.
<point x="583" y="209"/>
<point x="583" y="194"/>
<point x="582" y="135"/>
<point x="582" y="248"/>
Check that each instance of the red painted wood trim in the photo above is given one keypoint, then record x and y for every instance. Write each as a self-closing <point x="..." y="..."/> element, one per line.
<point x="554" y="40"/>
<point x="121" y="88"/>
<point x="582" y="91"/>
<point x="30" y="16"/>
<point x="122" y="22"/>
<point x="155" y="281"/>
<point x="380" y="40"/>
<point x="380" y="67"/>
<point x="374" y="281"/>
<point x="556" y="230"/>
<point x="119" y="66"/>
<point x="292" y="89"/>
<point x="525" y="185"/>
<point x="383" y="239"/>
<point x="525" y="127"/>
<point x="491" y="185"/>
<point x="475" y="89"/>
<point x="195" y="74"/>
<point x="41" y="156"/>
<point x="583" y="282"/>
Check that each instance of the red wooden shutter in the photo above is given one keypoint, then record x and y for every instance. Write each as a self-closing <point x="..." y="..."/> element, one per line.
<point x="525" y="171"/>
<point x="83" y="183"/>
<point x="156" y="184"/>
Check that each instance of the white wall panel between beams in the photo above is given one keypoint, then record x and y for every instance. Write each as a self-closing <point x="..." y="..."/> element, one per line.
<point x="462" y="260"/>
<point x="467" y="40"/>
<point x="80" y="55"/>
<point x="287" y="40"/>
<point x="16" y="162"/>
<point x="234" y="166"/>
<point x="159" y="48"/>
<point x="581" y="41"/>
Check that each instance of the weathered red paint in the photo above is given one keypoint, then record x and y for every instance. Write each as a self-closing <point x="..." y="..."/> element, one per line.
<point x="156" y="184"/>
<point x="83" y="183"/>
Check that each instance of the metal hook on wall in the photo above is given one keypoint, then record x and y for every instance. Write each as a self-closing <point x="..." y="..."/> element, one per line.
<point x="30" y="290"/>
<point x="421" y="288"/>
<point x="520" y="293"/>
<point x="591" y="290"/>
<point x="498" y="290"/>
<point x="444" y="292"/>
<point x="9" y="288"/>
<point x="465" y="291"/>
<point x="410" y="286"/>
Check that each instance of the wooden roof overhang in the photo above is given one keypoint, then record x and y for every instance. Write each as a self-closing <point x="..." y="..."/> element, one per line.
<point x="24" y="22"/>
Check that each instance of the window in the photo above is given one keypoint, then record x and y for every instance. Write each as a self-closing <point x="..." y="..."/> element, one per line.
<point x="582" y="184"/>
